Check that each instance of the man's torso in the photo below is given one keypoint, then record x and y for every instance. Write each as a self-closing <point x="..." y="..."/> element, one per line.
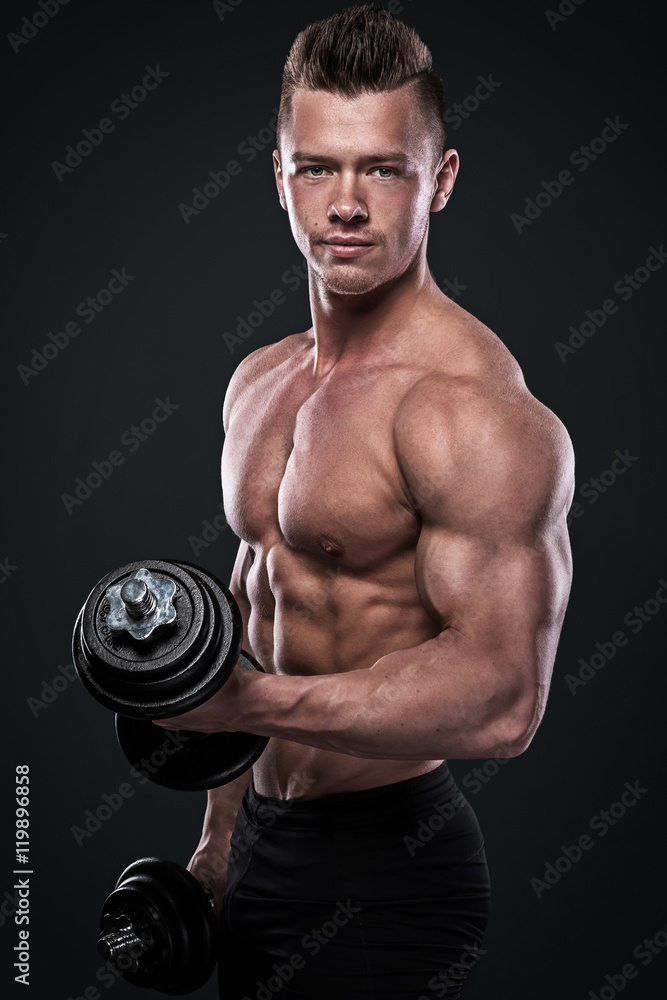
<point x="313" y="485"/>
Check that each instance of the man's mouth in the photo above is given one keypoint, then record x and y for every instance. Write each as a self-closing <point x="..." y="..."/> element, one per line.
<point x="348" y="241"/>
<point x="347" y="246"/>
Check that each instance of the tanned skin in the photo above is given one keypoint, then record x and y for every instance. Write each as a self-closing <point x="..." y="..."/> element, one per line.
<point x="400" y="496"/>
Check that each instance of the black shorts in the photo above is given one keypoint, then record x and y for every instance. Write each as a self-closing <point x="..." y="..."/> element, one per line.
<point x="382" y="893"/>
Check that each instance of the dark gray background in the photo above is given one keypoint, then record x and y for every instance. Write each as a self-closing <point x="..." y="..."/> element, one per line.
<point x="163" y="336"/>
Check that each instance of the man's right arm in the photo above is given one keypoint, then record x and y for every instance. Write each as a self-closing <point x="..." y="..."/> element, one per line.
<point x="209" y="862"/>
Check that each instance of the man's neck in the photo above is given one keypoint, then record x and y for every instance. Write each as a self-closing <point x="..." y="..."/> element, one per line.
<point x="370" y="326"/>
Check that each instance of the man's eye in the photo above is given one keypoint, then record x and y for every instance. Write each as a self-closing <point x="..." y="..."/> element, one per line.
<point x="318" y="171"/>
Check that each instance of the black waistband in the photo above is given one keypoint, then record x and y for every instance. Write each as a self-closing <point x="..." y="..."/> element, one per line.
<point x="380" y="804"/>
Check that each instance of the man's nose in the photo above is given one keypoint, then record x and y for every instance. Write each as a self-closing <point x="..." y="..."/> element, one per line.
<point x="348" y="203"/>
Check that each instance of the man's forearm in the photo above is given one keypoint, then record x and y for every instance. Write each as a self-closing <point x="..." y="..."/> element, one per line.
<point x="440" y="699"/>
<point x="222" y="806"/>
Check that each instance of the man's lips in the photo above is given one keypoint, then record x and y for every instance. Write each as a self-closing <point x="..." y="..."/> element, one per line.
<point x="347" y="246"/>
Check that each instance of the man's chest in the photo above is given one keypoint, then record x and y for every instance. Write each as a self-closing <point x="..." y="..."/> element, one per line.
<point x="317" y="468"/>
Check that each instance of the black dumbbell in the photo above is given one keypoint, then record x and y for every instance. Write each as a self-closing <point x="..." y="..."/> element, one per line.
<point x="155" y="639"/>
<point x="158" y="928"/>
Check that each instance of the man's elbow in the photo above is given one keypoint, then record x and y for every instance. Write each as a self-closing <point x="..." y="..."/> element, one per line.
<point x="515" y="729"/>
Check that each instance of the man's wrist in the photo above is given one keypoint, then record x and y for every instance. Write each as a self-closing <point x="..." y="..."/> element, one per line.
<point x="216" y="834"/>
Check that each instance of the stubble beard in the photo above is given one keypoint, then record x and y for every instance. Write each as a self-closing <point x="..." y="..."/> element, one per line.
<point x="345" y="277"/>
<point x="347" y="280"/>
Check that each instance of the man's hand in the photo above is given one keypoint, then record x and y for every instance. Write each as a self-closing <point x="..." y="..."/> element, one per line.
<point x="220" y="713"/>
<point x="209" y="862"/>
<point x="209" y="866"/>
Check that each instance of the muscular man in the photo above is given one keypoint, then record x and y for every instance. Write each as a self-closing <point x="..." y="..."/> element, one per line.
<point x="404" y="564"/>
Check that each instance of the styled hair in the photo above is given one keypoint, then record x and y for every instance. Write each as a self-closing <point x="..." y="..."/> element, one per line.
<point x="364" y="49"/>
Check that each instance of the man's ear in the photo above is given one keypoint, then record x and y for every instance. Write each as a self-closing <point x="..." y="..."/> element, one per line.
<point x="444" y="182"/>
<point x="277" y="169"/>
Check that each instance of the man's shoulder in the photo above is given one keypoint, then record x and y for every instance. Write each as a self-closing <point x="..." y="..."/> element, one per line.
<point x="265" y="358"/>
<point x="474" y="376"/>
<point x="258" y="364"/>
<point x="473" y="400"/>
<point x="469" y="348"/>
<point x="471" y="411"/>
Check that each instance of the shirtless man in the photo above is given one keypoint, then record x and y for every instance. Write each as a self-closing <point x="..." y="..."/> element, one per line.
<point x="404" y="564"/>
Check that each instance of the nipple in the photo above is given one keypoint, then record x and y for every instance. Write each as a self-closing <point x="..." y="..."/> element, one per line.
<point x="330" y="547"/>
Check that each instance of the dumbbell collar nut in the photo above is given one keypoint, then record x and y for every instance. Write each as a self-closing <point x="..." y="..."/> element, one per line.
<point x="120" y="940"/>
<point x="141" y="604"/>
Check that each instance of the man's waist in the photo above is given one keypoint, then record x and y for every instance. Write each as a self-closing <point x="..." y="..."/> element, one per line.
<point x="386" y="801"/>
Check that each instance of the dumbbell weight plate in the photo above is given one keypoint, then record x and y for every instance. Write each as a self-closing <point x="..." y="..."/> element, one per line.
<point x="178" y="667"/>
<point x="189" y="761"/>
<point x="174" y="656"/>
<point x="166" y="907"/>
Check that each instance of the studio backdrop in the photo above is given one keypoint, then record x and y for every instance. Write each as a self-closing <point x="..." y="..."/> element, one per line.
<point x="144" y="254"/>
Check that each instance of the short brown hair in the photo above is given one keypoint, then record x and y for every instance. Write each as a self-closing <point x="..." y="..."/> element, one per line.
<point x="359" y="50"/>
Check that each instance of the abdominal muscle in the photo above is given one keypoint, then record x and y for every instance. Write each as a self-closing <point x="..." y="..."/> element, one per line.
<point x="309" y="617"/>
<point x="293" y="771"/>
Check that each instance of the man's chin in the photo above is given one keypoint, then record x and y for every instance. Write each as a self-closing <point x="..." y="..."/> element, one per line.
<point x="348" y="281"/>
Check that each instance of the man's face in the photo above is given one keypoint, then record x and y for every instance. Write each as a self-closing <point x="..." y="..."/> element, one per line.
<point x="362" y="169"/>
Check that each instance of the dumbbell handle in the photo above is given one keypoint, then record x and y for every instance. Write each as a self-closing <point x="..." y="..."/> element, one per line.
<point x="123" y="942"/>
